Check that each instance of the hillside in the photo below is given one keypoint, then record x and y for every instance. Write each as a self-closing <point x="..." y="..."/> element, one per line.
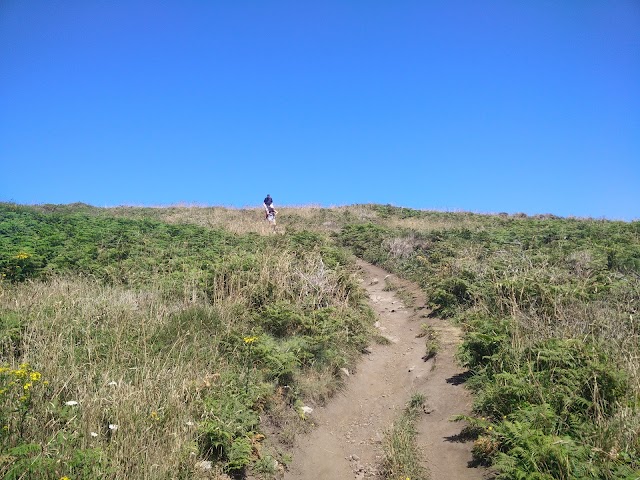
<point x="180" y="334"/>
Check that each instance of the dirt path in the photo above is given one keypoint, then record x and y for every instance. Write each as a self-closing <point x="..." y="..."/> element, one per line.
<point x="347" y="442"/>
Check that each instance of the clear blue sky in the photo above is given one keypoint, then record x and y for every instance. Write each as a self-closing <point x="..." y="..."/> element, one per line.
<point x="486" y="106"/>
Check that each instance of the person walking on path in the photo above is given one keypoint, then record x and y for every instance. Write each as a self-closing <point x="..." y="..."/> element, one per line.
<point x="271" y="216"/>
<point x="269" y="211"/>
<point x="268" y="202"/>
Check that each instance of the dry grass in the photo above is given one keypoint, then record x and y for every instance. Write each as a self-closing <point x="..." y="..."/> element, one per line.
<point x="90" y="342"/>
<point x="97" y="344"/>
<point x="310" y="217"/>
<point x="119" y="353"/>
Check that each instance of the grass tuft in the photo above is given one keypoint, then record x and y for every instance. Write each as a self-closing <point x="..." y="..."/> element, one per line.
<point x="402" y="458"/>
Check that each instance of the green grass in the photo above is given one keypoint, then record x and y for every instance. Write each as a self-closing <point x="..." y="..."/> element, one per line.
<point x="142" y="316"/>
<point x="402" y="459"/>
<point x="179" y="336"/>
<point x="548" y="307"/>
<point x="432" y="341"/>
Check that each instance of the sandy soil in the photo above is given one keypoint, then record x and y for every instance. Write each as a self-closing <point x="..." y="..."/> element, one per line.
<point x="347" y="442"/>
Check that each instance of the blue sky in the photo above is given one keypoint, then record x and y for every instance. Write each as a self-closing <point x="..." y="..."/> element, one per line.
<point x="485" y="106"/>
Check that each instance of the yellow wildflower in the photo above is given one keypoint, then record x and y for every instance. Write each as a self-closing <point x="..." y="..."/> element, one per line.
<point x="35" y="376"/>
<point x="22" y="255"/>
<point x="154" y="415"/>
<point x="249" y="340"/>
<point x="27" y="386"/>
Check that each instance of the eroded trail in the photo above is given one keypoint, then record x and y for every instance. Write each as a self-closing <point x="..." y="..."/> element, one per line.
<point x="347" y="442"/>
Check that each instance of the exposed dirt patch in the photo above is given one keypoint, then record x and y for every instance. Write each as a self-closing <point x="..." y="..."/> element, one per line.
<point x="347" y="440"/>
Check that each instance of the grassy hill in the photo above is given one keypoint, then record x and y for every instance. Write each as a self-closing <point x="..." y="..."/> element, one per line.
<point x="146" y="342"/>
<point x="550" y="310"/>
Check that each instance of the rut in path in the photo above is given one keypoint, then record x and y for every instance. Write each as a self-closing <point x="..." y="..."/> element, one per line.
<point x="347" y="442"/>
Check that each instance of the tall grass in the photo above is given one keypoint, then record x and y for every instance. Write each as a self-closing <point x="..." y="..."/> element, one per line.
<point x="157" y="349"/>
<point x="189" y="327"/>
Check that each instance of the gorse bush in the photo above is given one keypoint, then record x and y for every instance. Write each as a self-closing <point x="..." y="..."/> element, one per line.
<point x="20" y="266"/>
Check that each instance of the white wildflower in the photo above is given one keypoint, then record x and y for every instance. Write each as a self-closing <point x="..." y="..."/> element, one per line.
<point x="204" y="465"/>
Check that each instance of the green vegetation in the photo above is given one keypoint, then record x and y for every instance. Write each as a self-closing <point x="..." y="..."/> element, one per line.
<point x="402" y="459"/>
<point x="432" y="341"/>
<point x="179" y="333"/>
<point x="549" y="307"/>
<point x="172" y="341"/>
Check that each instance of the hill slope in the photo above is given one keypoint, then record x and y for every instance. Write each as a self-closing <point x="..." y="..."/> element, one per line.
<point x="178" y="330"/>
